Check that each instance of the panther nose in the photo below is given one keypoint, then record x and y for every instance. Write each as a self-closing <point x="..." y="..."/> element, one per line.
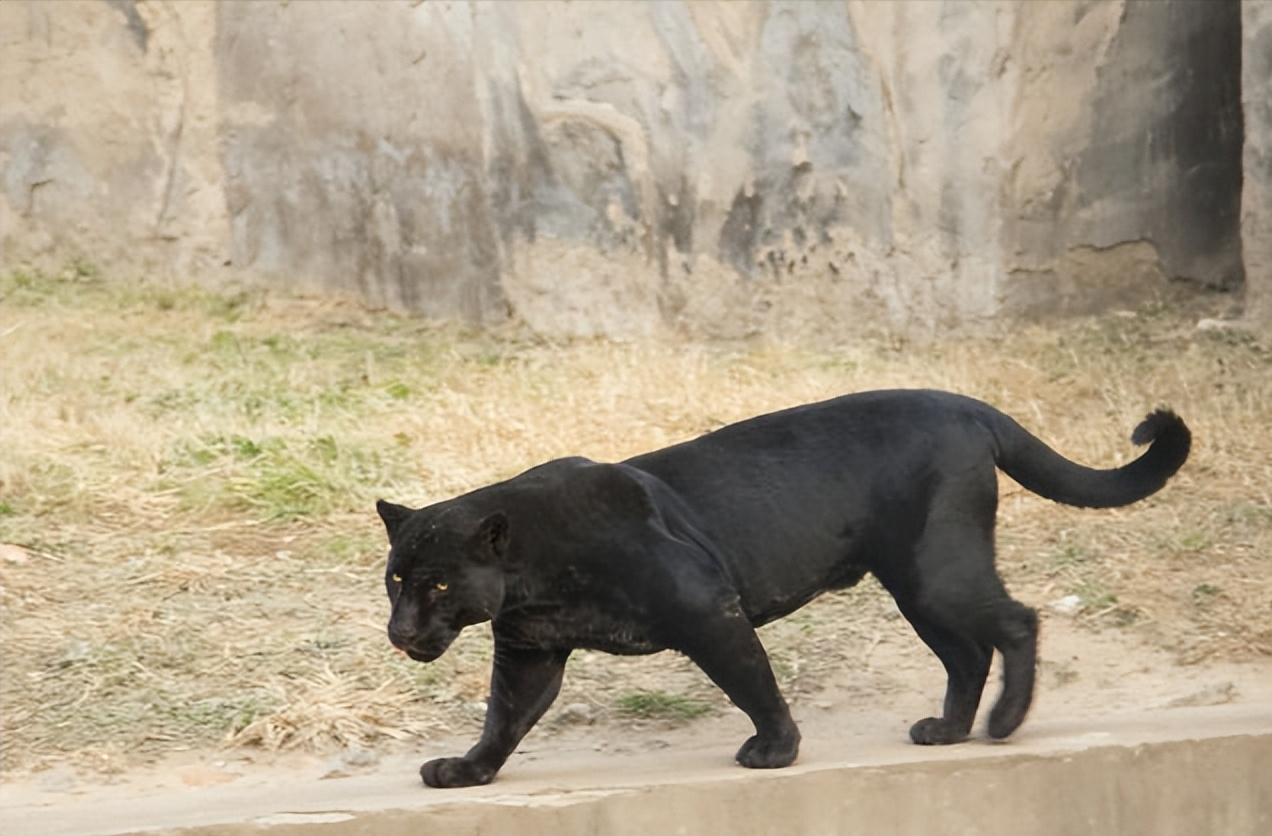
<point x="399" y="638"/>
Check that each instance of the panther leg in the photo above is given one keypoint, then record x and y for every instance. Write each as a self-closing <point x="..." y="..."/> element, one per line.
<point x="967" y="667"/>
<point x="957" y="603"/>
<point x="961" y="620"/>
<point x="523" y="684"/>
<point x="721" y="641"/>
<point x="1017" y="641"/>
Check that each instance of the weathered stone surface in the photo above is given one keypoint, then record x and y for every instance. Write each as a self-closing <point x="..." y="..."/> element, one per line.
<point x="1167" y="772"/>
<point x="626" y="169"/>
<point x="108" y="136"/>
<point x="1135" y="176"/>
<point x="1256" y="197"/>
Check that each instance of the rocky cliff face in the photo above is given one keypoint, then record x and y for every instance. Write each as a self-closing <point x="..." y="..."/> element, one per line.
<point x="1256" y="196"/>
<point x="629" y="168"/>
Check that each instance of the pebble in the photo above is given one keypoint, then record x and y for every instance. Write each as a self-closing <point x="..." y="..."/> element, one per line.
<point x="577" y="712"/>
<point x="360" y="758"/>
<point x="352" y="761"/>
<point x="1067" y="605"/>
<point x="59" y="779"/>
<point x="10" y="553"/>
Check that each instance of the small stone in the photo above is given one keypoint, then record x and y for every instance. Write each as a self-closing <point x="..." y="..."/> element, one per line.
<point x="16" y="555"/>
<point x="59" y="779"/>
<point x="77" y="650"/>
<point x="357" y="757"/>
<point x="577" y="712"/>
<point x="350" y="762"/>
<point x="1067" y="605"/>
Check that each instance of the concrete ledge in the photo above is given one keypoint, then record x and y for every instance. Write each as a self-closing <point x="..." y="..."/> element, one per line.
<point x="1181" y="771"/>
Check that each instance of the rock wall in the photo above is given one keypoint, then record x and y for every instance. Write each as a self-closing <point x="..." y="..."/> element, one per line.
<point x="1138" y="175"/>
<point x="626" y="169"/>
<point x="1256" y="196"/>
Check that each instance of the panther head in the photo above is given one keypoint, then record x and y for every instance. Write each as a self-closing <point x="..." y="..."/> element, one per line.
<point x="444" y="573"/>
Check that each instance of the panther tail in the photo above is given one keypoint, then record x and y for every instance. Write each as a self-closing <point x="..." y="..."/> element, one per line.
<point x="1045" y="472"/>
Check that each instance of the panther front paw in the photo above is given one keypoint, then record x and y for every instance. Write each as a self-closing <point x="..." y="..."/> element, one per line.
<point x="769" y="753"/>
<point x="937" y="731"/>
<point x="455" y="772"/>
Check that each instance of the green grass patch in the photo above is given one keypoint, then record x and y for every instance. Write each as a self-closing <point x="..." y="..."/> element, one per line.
<point x="1204" y="592"/>
<point x="1094" y="595"/>
<point x="1068" y="556"/>
<point x="659" y="705"/>
<point x="279" y="479"/>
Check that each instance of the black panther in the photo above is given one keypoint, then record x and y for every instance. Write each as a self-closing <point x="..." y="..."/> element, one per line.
<point x="692" y="547"/>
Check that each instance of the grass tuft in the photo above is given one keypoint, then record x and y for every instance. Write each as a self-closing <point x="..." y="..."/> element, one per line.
<point x="659" y="705"/>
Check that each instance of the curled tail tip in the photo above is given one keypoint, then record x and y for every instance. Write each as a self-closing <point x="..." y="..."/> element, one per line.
<point x="1163" y="425"/>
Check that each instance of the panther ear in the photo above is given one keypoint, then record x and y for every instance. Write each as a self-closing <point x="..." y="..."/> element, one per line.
<point x="393" y="515"/>
<point x="493" y="535"/>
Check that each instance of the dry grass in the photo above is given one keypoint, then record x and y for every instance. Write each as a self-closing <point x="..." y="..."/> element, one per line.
<point x="187" y="483"/>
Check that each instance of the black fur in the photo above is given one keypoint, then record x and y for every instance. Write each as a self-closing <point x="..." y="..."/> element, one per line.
<point x="692" y="547"/>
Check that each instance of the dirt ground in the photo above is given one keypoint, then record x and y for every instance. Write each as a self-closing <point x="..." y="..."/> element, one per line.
<point x="190" y="582"/>
<point x="1086" y="678"/>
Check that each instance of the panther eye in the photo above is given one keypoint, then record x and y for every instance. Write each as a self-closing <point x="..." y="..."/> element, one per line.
<point x="397" y="578"/>
<point x="442" y="586"/>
